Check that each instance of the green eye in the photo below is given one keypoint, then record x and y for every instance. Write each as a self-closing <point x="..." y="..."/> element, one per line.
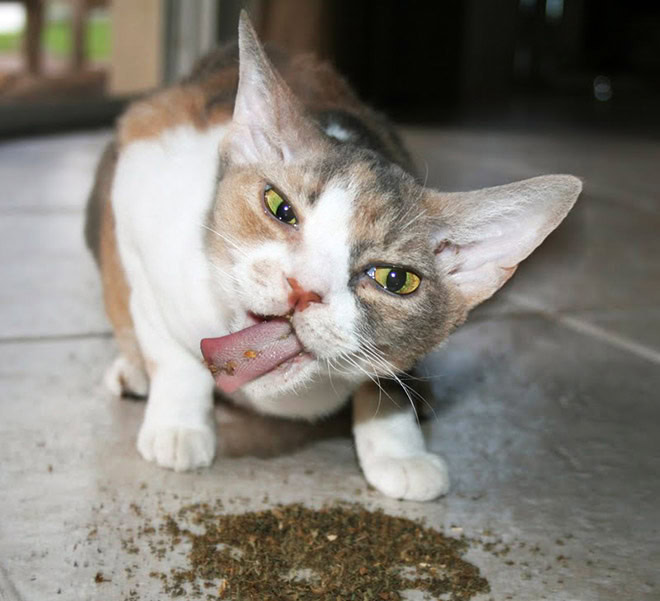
<point x="395" y="279"/>
<point x="278" y="206"/>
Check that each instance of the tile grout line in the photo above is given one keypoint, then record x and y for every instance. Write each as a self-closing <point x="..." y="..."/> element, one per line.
<point x="40" y="211"/>
<point x="591" y="188"/>
<point x="584" y="327"/>
<point x="605" y="194"/>
<point x="54" y="337"/>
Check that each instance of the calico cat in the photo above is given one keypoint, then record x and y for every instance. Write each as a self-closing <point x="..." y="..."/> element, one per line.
<point x="258" y="207"/>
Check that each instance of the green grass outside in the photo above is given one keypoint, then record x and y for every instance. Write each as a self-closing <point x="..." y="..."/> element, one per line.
<point x="98" y="39"/>
<point x="57" y="40"/>
<point x="9" y="42"/>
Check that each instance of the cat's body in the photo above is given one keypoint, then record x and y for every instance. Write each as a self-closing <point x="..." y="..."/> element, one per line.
<point x="215" y="210"/>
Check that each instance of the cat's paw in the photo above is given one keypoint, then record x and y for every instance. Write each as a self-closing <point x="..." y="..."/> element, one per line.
<point x="178" y="448"/>
<point x="417" y="478"/>
<point x="126" y="378"/>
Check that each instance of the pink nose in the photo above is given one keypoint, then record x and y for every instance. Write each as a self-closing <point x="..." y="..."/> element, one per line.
<point x="299" y="298"/>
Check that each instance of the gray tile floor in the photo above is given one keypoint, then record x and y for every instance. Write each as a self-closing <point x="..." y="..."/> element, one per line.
<point x="547" y="400"/>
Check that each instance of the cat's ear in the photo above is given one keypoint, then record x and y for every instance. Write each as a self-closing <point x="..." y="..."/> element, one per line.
<point x="268" y="123"/>
<point x="480" y="237"/>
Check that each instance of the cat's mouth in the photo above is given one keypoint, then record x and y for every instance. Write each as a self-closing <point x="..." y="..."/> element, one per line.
<point x="238" y="358"/>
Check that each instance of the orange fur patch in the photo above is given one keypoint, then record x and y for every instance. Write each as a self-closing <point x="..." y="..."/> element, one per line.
<point x="243" y="211"/>
<point x="116" y="292"/>
<point x="180" y="105"/>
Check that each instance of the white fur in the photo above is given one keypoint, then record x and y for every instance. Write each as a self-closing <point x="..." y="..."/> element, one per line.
<point x="161" y="195"/>
<point x="178" y="429"/>
<point x="334" y="130"/>
<point x="162" y="192"/>
<point x="391" y="449"/>
<point x="320" y="263"/>
<point x="126" y="377"/>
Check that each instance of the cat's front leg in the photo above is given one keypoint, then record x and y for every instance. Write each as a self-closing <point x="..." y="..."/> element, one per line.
<point x="178" y="430"/>
<point x="390" y="447"/>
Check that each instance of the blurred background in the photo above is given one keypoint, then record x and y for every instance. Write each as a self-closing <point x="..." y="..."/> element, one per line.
<point x="75" y="63"/>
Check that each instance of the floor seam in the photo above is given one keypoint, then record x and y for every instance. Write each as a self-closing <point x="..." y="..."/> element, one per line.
<point x="586" y="328"/>
<point x="600" y="193"/>
<point x="40" y="211"/>
<point x="54" y="337"/>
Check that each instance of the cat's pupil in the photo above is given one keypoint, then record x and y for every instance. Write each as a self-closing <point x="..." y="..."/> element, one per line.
<point x="285" y="212"/>
<point x="395" y="280"/>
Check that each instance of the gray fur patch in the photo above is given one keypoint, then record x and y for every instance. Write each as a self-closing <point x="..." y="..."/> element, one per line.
<point x="98" y="197"/>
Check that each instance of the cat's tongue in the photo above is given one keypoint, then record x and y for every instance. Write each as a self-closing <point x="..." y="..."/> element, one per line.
<point x="239" y="358"/>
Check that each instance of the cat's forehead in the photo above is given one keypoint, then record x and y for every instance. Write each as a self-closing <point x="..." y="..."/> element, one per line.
<point x="380" y="215"/>
<point x="387" y="213"/>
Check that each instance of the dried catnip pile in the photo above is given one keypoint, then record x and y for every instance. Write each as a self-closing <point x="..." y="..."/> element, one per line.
<point x="293" y="553"/>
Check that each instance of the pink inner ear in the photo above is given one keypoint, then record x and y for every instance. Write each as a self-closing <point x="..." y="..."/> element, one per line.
<point x="446" y="245"/>
<point x="449" y="254"/>
<point x="491" y="231"/>
<point x="478" y="268"/>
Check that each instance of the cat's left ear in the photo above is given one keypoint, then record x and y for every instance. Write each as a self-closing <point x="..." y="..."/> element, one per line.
<point x="268" y="123"/>
<point x="480" y="237"/>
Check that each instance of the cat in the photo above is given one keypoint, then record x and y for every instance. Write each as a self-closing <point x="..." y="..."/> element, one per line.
<point x="261" y="231"/>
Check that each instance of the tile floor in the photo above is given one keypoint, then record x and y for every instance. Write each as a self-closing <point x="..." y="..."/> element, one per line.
<point x="547" y="400"/>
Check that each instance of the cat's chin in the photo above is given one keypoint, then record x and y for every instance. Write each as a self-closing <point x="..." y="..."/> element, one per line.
<point x="284" y="378"/>
<point x="298" y="388"/>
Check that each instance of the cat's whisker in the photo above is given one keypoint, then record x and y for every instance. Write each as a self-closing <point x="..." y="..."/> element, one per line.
<point x="375" y="378"/>
<point x="414" y="208"/>
<point x="365" y="342"/>
<point x="406" y="390"/>
<point x="409" y="390"/>
<point x="419" y="215"/>
<point x="426" y="175"/>
<point x="346" y="357"/>
<point x="422" y="399"/>
<point x="332" y="384"/>
<point x="416" y="394"/>
<point x="377" y="361"/>
<point x="226" y="234"/>
<point x="375" y="355"/>
<point x="380" y="393"/>
<point x="226" y="274"/>
<point x="228" y="239"/>
<point x="422" y="189"/>
<point x="336" y="368"/>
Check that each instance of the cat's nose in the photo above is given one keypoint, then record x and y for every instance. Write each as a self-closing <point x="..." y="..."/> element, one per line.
<point x="299" y="298"/>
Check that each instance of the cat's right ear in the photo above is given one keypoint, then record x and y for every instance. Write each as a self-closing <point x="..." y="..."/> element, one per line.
<point x="480" y="237"/>
<point x="268" y="123"/>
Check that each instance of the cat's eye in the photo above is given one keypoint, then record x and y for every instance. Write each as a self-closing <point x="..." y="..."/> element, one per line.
<point x="395" y="279"/>
<point x="278" y="206"/>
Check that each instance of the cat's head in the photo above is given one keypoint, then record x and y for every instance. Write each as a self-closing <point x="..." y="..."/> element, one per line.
<point x="373" y="269"/>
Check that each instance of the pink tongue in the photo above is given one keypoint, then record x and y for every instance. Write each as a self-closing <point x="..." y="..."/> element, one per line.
<point x="239" y="358"/>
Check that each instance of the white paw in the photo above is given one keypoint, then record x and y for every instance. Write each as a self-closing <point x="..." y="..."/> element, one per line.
<point x="177" y="447"/>
<point x="418" y="478"/>
<point x="124" y="377"/>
